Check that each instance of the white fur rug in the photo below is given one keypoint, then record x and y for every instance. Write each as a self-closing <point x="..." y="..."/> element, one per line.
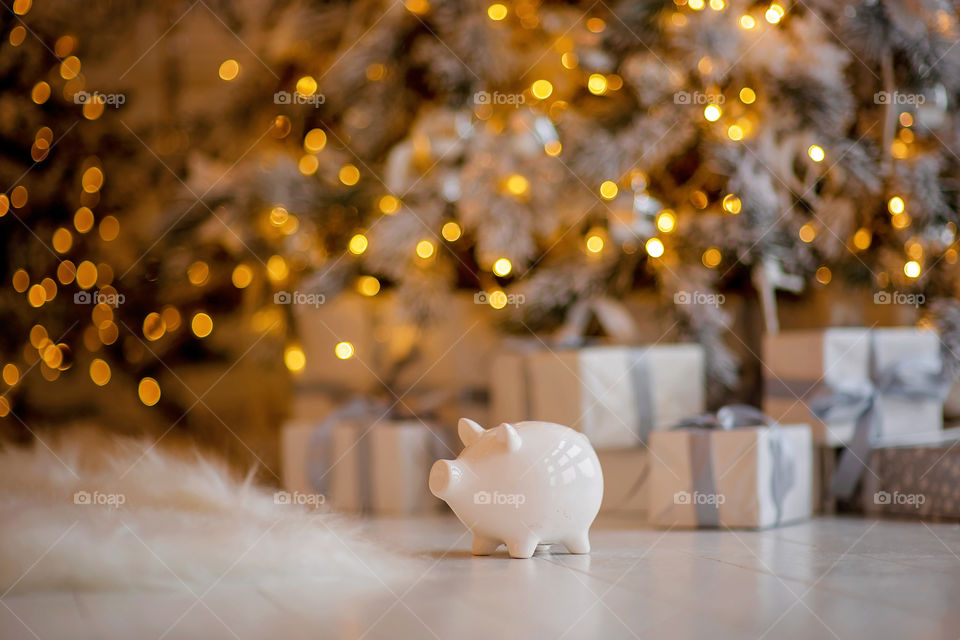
<point x="160" y="519"/>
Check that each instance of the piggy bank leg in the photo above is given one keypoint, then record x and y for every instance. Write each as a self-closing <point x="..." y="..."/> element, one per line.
<point x="522" y="547"/>
<point x="484" y="546"/>
<point x="577" y="544"/>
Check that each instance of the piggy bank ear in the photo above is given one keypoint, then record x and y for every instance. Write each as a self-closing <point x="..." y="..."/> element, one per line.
<point x="469" y="431"/>
<point x="508" y="434"/>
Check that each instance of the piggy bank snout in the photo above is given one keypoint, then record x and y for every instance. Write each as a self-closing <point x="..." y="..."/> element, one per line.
<point x="444" y="475"/>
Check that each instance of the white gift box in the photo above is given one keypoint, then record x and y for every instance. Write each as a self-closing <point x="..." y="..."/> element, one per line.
<point x="362" y="468"/>
<point x="729" y="478"/>
<point x="615" y="395"/>
<point x="625" y="476"/>
<point x="805" y="364"/>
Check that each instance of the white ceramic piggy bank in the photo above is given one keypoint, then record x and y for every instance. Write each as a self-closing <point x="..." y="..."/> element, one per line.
<point x="522" y="485"/>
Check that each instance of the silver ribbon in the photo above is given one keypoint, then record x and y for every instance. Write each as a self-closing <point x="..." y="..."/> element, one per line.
<point x="641" y="379"/>
<point x="701" y="466"/>
<point x="910" y="379"/>
<point x="735" y="416"/>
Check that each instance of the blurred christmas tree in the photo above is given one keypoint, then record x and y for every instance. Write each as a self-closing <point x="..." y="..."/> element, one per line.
<point x="128" y="298"/>
<point x="574" y="152"/>
<point x="569" y="152"/>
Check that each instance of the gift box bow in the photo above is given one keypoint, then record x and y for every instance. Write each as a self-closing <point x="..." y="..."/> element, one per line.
<point x="918" y="378"/>
<point x="730" y="417"/>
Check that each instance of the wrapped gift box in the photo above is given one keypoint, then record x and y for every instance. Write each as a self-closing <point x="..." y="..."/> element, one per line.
<point x="805" y="364"/>
<point x="615" y="395"/>
<point x="625" y="475"/>
<point x="916" y="477"/>
<point x="730" y="478"/>
<point x="358" y="467"/>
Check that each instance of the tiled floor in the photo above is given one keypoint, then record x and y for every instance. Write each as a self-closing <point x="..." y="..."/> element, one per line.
<point x="829" y="578"/>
